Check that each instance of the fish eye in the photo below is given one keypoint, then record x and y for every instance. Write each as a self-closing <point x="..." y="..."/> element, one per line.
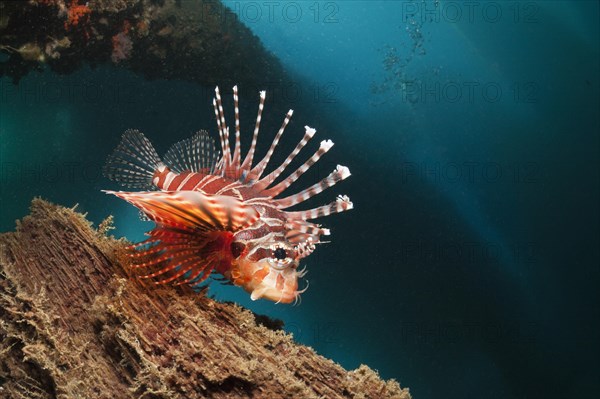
<point x="280" y="257"/>
<point x="280" y="253"/>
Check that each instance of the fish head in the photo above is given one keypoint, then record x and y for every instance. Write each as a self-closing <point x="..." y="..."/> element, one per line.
<point x="267" y="269"/>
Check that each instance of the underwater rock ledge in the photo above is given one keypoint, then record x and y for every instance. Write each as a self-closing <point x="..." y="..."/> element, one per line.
<point x="73" y="324"/>
<point x="200" y="41"/>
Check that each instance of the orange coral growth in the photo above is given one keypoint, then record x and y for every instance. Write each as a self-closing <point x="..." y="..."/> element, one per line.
<point x="142" y="27"/>
<point x="76" y="13"/>
<point x="122" y="44"/>
<point x="126" y="26"/>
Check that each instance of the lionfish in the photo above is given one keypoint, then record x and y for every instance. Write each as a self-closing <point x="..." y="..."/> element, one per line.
<point x="217" y="213"/>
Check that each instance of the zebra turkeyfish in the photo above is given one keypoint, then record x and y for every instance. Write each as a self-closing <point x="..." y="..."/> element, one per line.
<point x="216" y="213"/>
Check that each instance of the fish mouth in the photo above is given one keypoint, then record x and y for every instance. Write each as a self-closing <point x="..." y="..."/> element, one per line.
<point x="277" y="286"/>
<point x="288" y="294"/>
<point x="273" y="294"/>
<point x="263" y="281"/>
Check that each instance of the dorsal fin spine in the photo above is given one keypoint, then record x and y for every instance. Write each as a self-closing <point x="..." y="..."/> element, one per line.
<point x="247" y="164"/>
<point x="271" y="177"/>
<point x="284" y="184"/>
<point x="341" y="204"/>
<point x="237" y="150"/>
<point x="224" y="129"/>
<point x="339" y="174"/>
<point x="261" y="166"/>
<point x="221" y="134"/>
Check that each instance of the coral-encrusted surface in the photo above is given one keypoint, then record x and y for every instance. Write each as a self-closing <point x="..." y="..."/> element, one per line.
<point x="74" y="325"/>
<point x="200" y="40"/>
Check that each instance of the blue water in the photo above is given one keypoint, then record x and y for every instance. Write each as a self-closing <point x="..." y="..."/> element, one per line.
<point x="469" y="266"/>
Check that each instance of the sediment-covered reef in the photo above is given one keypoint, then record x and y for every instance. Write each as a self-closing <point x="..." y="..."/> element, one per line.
<point x="74" y="324"/>
<point x="200" y="41"/>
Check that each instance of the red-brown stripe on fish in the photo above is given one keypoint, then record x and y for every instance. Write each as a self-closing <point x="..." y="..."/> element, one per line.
<point x="216" y="213"/>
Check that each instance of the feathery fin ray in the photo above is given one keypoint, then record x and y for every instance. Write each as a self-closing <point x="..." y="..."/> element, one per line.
<point x="195" y="154"/>
<point x="133" y="162"/>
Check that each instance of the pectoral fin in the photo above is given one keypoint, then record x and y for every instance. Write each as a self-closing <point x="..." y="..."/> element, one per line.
<point x="192" y="210"/>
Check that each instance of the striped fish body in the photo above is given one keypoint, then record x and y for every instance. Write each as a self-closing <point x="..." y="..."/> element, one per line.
<point x="216" y="213"/>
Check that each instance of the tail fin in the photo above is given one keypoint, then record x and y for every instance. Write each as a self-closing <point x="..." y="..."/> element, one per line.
<point x="133" y="162"/>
